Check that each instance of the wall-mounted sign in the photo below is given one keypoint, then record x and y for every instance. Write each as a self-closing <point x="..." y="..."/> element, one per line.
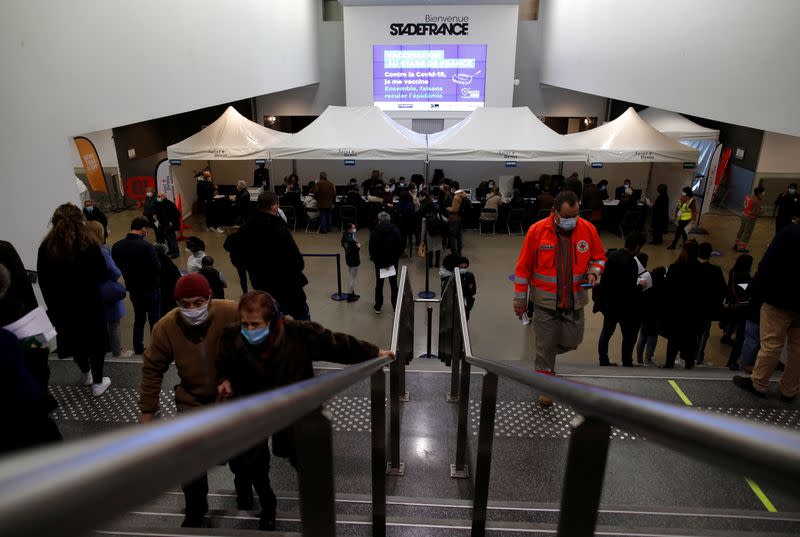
<point x="511" y="164"/>
<point x="739" y="155"/>
<point x="597" y="164"/>
<point x="349" y="162"/>
<point x="433" y="25"/>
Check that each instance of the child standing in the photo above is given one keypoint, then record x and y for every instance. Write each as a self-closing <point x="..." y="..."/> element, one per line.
<point x="352" y="256"/>
<point x="215" y="278"/>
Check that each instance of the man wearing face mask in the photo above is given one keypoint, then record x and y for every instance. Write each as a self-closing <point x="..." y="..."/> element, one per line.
<point x="561" y="258"/>
<point x="619" y="192"/>
<point x="189" y="336"/>
<point x="264" y="353"/>
<point x="94" y="214"/>
<point x="787" y="206"/>
<point x="168" y="221"/>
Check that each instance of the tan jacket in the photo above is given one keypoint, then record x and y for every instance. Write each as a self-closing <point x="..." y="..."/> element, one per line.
<point x="453" y="211"/>
<point x="325" y="194"/>
<point x="194" y="351"/>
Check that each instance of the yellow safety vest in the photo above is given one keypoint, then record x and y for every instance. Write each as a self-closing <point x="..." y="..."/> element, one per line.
<point x="685" y="210"/>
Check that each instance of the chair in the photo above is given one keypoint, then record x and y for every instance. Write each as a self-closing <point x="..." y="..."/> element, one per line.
<point x="291" y="217"/>
<point x="347" y="214"/>
<point x="515" y="217"/>
<point x="492" y="224"/>
<point x="312" y="219"/>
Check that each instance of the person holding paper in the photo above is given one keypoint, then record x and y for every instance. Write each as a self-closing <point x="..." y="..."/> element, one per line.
<point x="385" y="247"/>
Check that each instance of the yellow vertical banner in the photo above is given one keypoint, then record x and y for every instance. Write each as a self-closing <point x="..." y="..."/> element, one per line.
<point x="91" y="163"/>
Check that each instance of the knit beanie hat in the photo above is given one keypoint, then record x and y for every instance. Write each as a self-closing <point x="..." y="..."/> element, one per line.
<point x="192" y="285"/>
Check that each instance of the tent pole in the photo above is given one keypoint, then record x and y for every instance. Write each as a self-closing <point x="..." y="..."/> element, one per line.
<point x="561" y="168"/>
<point x="649" y="179"/>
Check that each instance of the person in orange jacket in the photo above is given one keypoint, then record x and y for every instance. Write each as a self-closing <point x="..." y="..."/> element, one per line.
<point x="561" y="259"/>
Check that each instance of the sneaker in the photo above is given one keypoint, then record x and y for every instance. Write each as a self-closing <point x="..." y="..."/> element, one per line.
<point x="525" y="320"/>
<point x="608" y="364"/>
<point x="545" y="402"/>
<point x="219" y="230"/>
<point x="679" y="362"/>
<point x="746" y="383"/>
<point x="377" y="310"/>
<point x="648" y="362"/>
<point x="100" y="389"/>
<point x="352" y="297"/>
<point x="87" y="379"/>
<point x="125" y="353"/>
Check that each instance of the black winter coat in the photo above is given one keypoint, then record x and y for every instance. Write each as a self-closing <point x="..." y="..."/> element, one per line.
<point x="713" y="291"/>
<point x="352" y="251"/>
<point x="284" y="358"/>
<point x="619" y="292"/>
<point x="19" y="300"/>
<point x="775" y="284"/>
<point x="168" y="277"/>
<point x="661" y="213"/>
<point x="71" y="290"/>
<point x="385" y="245"/>
<point x="683" y="291"/>
<point x="272" y="259"/>
<point x="138" y="262"/>
<point x="168" y="216"/>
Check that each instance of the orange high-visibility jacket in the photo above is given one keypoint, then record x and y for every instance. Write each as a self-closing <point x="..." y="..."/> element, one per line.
<point x="538" y="263"/>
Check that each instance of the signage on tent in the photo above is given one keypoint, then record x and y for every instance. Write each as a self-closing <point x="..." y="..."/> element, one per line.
<point x="347" y="152"/>
<point x="597" y="164"/>
<point x="645" y="155"/>
<point x="509" y="154"/>
<point x="511" y="164"/>
<point x="349" y="162"/>
<point x="175" y="162"/>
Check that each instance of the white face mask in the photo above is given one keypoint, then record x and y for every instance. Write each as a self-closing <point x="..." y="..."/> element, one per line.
<point x="567" y="224"/>
<point x="196" y="316"/>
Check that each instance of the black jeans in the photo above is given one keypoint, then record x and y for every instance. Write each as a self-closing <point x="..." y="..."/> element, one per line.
<point x="251" y="471"/>
<point x="630" y="331"/>
<point x="683" y="341"/>
<point x="379" y="288"/>
<point x="455" y="236"/>
<point x="242" y="278"/>
<point x="93" y="362"/>
<point x="680" y="232"/>
<point x="146" y="306"/>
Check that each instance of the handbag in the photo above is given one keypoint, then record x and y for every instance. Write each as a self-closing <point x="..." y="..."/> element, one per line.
<point x="422" y="250"/>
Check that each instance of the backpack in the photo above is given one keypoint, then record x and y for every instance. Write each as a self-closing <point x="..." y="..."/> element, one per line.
<point x="463" y="209"/>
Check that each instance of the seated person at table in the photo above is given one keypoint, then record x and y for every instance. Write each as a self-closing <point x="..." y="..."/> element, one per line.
<point x="545" y="201"/>
<point x="353" y="184"/>
<point x="493" y="200"/>
<point x="481" y="190"/>
<point x="372" y="183"/>
<point x="292" y="183"/>
<point x="517" y="201"/>
<point x="619" y="192"/>
<point x="401" y="184"/>
<point x="602" y="186"/>
<point x="309" y="202"/>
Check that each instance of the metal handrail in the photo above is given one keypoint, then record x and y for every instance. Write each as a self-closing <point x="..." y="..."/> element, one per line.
<point x="81" y="485"/>
<point x="768" y="453"/>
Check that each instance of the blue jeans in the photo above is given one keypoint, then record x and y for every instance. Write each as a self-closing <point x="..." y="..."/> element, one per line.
<point x="324" y="220"/>
<point x="646" y="342"/>
<point x="752" y="342"/>
<point x="172" y="242"/>
<point x="146" y="306"/>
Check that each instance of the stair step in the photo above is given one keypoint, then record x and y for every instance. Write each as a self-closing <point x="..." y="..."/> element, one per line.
<point x="354" y="512"/>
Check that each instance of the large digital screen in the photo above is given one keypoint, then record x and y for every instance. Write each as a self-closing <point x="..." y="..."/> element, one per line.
<point x="429" y="77"/>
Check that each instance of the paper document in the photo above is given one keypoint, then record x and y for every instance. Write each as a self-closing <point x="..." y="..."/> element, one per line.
<point x="34" y="323"/>
<point x="610" y="202"/>
<point x="386" y="272"/>
<point x="743" y="286"/>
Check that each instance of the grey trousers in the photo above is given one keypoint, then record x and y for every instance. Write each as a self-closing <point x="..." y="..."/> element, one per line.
<point x="556" y="332"/>
<point x="351" y="287"/>
<point x="746" y="229"/>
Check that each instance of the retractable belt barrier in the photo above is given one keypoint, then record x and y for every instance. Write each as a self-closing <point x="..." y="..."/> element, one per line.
<point x="338" y="295"/>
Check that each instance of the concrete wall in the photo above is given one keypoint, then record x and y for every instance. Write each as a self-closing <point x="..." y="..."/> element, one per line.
<point x="87" y="65"/>
<point x="729" y="60"/>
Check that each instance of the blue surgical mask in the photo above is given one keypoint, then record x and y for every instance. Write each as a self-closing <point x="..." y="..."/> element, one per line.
<point x="792" y="191"/>
<point x="89" y="208"/>
<point x="602" y="187"/>
<point x="256" y="336"/>
<point x="567" y="224"/>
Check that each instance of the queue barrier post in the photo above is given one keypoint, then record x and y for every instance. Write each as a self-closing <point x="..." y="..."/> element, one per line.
<point x="338" y="296"/>
<point x="427" y="293"/>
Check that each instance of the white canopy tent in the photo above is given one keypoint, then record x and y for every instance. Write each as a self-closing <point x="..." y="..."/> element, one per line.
<point x="353" y="132"/>
<point x="689" y="133"/>
<point x="618" y="146"/>
<point x="231" y="137"/>
<point x="232" y="141"/>
<point x="631" y="139"/>
<point x="677" y="126"/>
<point x="502" y="134"/>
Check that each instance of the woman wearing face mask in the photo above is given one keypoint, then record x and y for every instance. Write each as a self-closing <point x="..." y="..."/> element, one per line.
<point x="195" y="247"/>
<point x="189" y="336"/>
<point x="352" y="256"/>
<point x="268" y="352"/>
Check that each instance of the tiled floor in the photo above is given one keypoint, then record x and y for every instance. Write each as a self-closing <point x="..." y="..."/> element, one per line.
<point x="495" y="331"/>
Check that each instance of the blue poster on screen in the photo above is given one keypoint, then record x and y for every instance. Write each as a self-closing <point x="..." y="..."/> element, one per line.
<point x="429" y="77"/>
